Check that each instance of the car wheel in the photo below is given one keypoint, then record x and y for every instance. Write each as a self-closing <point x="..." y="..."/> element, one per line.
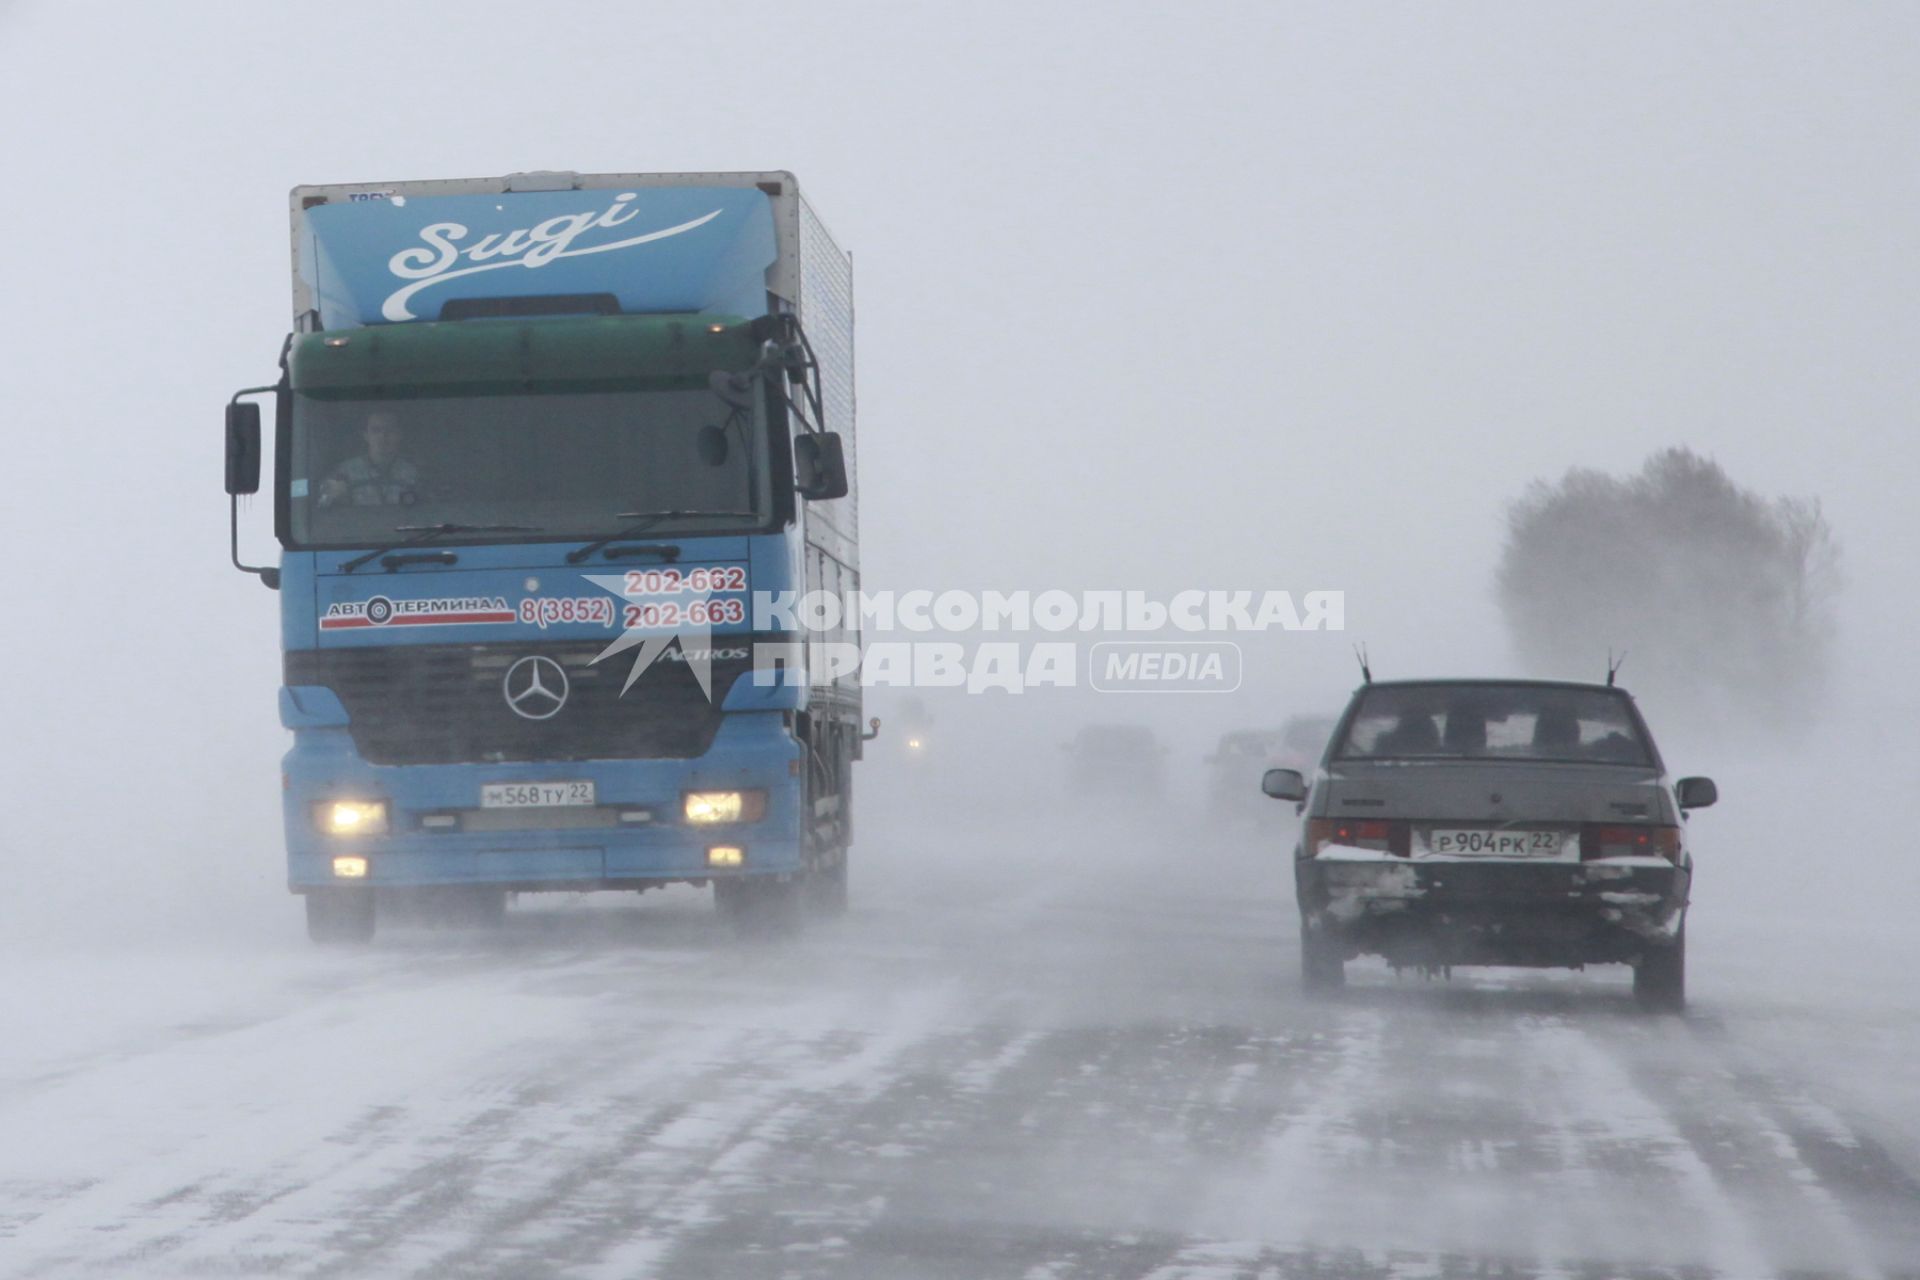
<point x="339" y="917"/>
<point x="1660" y="979"/>
<point x="1322" y="966"/>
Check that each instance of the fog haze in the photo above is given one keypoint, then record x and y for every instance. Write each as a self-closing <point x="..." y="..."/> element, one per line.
<point x="1247" y="296"/>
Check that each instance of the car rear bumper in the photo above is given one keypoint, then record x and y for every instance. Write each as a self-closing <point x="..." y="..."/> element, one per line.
<point x="1433" y="912"/>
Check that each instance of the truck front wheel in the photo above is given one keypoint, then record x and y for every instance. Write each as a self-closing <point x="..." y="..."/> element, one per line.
<point x="339" y="917"/>
<point x="760" y="906"/>
<point x="827" y="887"/>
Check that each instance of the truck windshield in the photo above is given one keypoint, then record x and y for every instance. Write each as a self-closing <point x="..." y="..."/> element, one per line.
<point x="1494" y="722"/>
<point x="565" y="463"/>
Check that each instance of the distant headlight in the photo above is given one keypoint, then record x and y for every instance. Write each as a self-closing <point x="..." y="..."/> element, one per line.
<point x="351" y="817"/>
<point x="705" y="807"/>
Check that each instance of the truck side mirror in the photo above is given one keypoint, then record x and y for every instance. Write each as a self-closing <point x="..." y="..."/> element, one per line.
<point x="1284" y="784"/>
<point x="1696" y="793"/>
<point x="243" y="447"/>
<point x="819" y="466"/>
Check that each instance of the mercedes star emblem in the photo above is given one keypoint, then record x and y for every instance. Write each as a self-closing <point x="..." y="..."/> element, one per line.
<point x="536" y="688"/>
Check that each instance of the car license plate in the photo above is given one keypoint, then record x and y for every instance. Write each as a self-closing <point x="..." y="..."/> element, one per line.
<point x="535" y="795"/>
<point x="1480" y="843"/>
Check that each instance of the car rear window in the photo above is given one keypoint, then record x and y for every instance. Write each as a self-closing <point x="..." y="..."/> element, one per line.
<point x="1494" y="722"/>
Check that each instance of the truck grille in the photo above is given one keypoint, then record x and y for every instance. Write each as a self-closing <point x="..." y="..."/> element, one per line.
<point x="446" y="704"/>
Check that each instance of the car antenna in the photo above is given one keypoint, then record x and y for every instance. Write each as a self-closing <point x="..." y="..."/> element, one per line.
<point x="1614" y="664"/>
<point x="1366" y="672"/>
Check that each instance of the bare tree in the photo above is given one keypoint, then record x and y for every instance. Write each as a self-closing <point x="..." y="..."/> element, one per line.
<point x="1724" y="598"/>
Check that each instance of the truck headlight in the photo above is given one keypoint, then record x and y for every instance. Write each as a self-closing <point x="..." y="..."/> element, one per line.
<point x="726" y="855"/>
<point x="704" y="807"/>
<point x="351" y="817"/>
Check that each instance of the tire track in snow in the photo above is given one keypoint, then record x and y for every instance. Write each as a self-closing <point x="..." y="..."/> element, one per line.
<point x="558" y="1204"/>
<point x="996" y="1151"/>
<point x="1822" y="1196"/>
<point x="1536" y="1132"/>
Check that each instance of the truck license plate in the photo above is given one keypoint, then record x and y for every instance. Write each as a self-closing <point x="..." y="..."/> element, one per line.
<point x="535" y="795"/>
<point x="1495" y="844"/>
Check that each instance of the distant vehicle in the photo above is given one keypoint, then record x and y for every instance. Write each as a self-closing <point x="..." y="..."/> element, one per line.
<point x="914" y="730"/>
<point x="1497" y="822"/>
<point x="1244" y="755"/>
<point x="1240" y="757"/>
<point x="1117" y="759"/>
<point x="1303" y="739"/>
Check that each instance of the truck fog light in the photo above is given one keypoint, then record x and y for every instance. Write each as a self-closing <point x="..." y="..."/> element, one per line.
<point x="350" y="868"/>
<point x="705" y="807"/>
<point x="726" y="855"/>
<point x="352" y="817"/>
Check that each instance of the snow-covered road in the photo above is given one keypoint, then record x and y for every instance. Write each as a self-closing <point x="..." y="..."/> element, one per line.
<point x="999" y="1065"/>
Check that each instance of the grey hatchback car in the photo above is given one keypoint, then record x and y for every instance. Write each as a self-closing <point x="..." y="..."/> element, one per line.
<point x="1494" y="822"/>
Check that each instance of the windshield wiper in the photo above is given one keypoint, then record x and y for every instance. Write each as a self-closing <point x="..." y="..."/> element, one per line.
<point x="428" y="532"/>
<point x="643" y="521"/>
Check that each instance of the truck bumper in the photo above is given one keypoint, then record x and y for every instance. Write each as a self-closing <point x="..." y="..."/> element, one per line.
<point x="1431" y="913"/>
<point x="633" y="836"/>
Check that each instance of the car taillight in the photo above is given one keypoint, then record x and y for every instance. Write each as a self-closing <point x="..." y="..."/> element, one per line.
<point x="1630" y="842"/>
<point x="1387" y="837"/>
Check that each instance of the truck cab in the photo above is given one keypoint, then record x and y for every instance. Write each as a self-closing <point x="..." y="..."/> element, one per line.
<point x="544" y="448"/>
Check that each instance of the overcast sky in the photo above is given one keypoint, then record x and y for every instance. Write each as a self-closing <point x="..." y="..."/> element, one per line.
<point x="1218" y="295"/>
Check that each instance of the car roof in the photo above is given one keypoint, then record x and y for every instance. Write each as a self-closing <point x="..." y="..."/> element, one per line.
<point x="1504" y="681"/>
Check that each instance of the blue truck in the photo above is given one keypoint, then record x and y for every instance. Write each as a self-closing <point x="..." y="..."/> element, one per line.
<point x="548" y="453"/>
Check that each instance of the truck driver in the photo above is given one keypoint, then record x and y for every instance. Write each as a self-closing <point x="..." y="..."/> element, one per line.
<point x="378" y="477"/>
